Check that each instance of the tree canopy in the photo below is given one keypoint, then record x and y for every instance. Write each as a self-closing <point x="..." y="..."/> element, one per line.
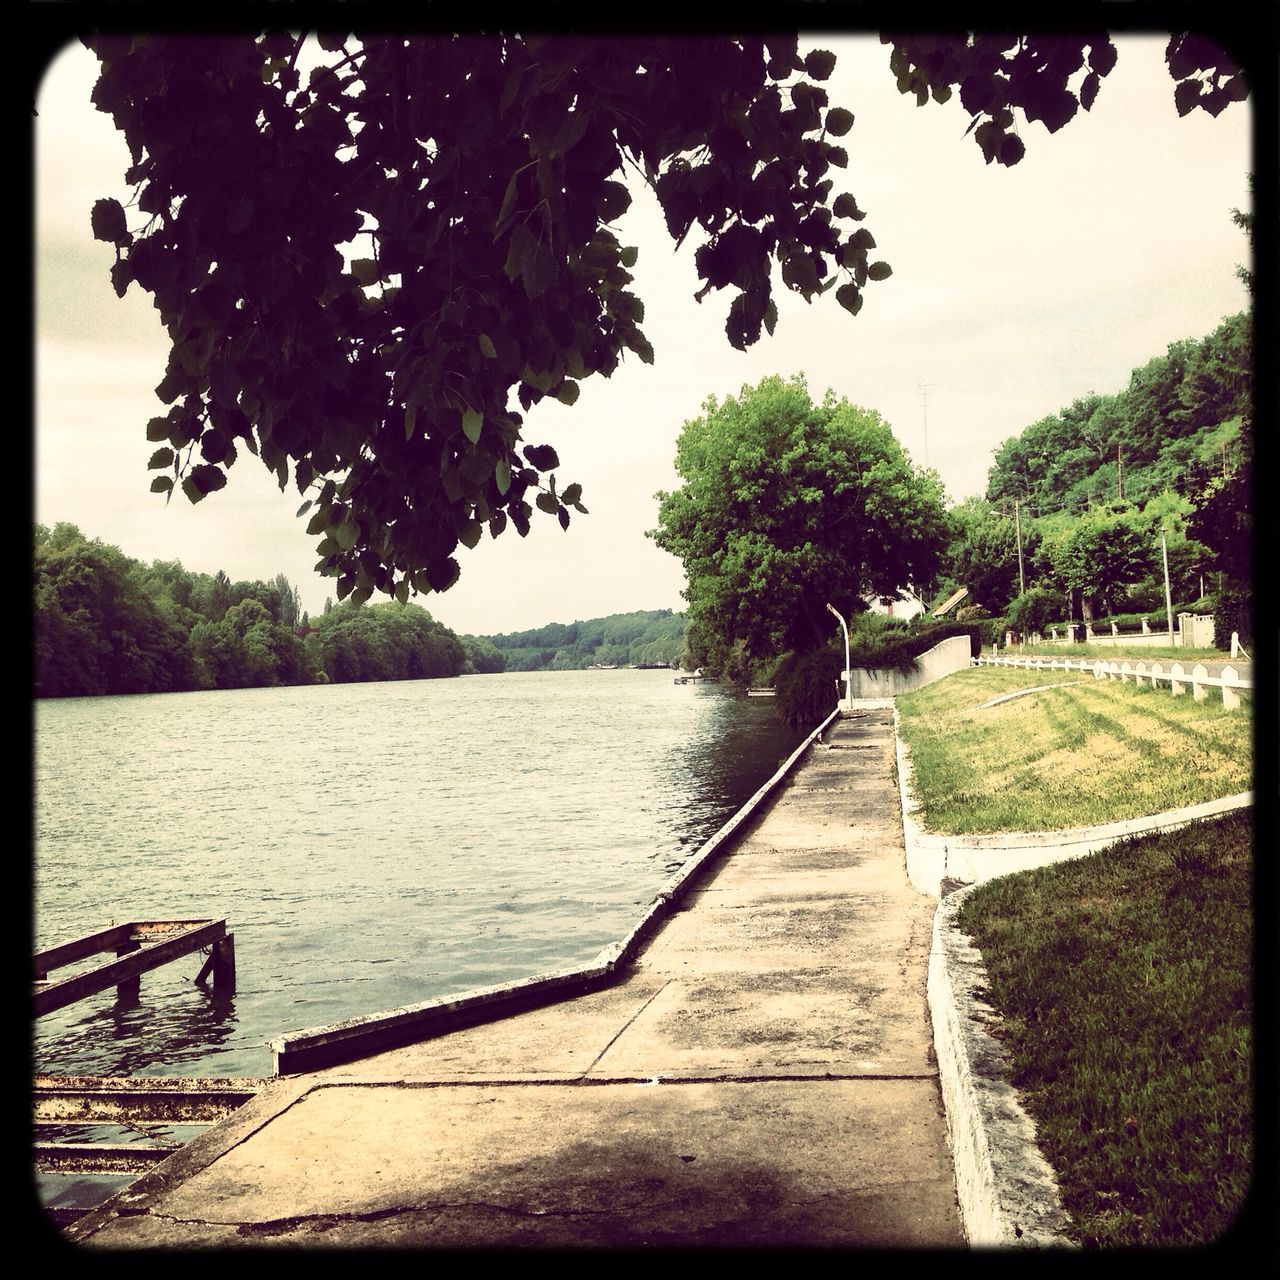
<point x="369" y="269"/>
<point x="785" y="507"/>
<point x="107" y="624"/>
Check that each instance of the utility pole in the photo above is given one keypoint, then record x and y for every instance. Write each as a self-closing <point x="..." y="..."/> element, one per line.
<point x="924" y="397"/>
<point x="1017" y="520"/>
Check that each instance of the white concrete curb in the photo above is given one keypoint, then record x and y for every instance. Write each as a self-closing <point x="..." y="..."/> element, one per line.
<point x="1007" y="1192"/>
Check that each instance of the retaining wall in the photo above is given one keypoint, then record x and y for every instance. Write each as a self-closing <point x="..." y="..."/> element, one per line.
<point x="947" y="656"/>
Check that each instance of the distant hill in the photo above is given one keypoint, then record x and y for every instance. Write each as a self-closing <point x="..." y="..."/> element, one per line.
<point x="1181" y="412"/>
<point x="648" y="637"/>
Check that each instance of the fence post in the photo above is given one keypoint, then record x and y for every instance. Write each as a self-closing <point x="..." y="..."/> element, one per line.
<point x="1230" y="692"/>
<point x="1177" y="684"/>
<point x="1199" y="690"/>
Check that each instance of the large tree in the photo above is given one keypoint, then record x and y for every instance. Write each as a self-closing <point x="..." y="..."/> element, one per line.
<point x="369" y="268"/>
<point x="786" y="507"/>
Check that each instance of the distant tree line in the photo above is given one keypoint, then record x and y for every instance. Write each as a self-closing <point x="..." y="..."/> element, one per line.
<point x="106" y="624"/>
<point x="647" y="638"/>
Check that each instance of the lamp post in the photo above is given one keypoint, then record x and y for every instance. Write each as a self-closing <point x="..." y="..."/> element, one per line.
<point x="848" y="675"/>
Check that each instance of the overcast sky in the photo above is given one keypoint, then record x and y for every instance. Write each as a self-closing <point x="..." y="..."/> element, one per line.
<point x="1014" y="292"/>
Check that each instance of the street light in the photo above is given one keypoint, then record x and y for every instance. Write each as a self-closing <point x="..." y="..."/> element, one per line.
<point x="848" y="675"/>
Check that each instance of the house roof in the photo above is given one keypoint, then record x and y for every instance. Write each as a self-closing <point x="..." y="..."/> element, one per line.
<point x="953" y="599"/>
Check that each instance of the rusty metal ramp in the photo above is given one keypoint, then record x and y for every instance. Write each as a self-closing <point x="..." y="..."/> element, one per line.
<point x="94" y="1134"/>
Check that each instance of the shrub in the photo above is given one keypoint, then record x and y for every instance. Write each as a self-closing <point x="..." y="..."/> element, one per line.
<point x="1234" y="613"/>
<point x="808" y="685"/>
<point x="1035" y="609"/>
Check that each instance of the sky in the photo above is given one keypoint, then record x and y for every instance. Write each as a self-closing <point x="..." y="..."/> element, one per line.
<point x="1014" y="292"/>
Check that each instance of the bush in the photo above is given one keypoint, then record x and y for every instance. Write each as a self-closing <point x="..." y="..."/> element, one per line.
<point x="808" y="685"/>
<point x="1234" y="613"/>
<point x="1034" y="610"/>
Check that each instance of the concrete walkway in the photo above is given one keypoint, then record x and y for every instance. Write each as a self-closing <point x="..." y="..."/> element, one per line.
<point x="763" y="1076"/>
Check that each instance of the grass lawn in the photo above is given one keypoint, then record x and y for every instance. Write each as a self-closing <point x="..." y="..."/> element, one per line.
<point x="1082" y="752"/>
<point x="1163" y="653"/>
<point x="1124" y="982"/>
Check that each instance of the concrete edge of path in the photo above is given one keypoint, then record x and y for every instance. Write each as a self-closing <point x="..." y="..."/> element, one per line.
<point x="1007" y="1191"/>
<point x="317" y="1047"/>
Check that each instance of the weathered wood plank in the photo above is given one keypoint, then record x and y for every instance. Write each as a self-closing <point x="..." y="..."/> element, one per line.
<point x="113" y="973"/>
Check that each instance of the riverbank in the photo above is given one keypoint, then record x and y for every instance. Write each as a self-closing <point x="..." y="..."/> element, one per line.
<point x="763" y="1075"/>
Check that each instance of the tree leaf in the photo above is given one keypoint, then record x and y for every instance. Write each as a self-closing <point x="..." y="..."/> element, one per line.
<point x="542" y="456"/>
<point x="547" y="503"/>
<point x="161" y="484"/>
<point x="839" y="122"/>
<point x="472" y="424"/>
<point x="502" y="475"/>
<point x="161" y="458"/>
<point x="442" y="574"/>
<point x="850" y="298"/>
<point x="487" y="348"/>
<point x="568" y="393"/>
<point x="108" y="222"/>
<point x="820" y="64"/>
<point x="879" y="271"/>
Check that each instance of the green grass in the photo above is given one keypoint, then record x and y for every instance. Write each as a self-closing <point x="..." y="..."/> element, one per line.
<point x="1080" y="753"/>
<point x="1162" y="653"/>
<point x="1125" y="987"/>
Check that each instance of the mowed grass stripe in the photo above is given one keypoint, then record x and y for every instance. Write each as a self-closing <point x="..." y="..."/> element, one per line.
<point x="1075" y="755"/>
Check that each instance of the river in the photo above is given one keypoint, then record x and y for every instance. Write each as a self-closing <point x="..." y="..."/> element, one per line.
<point x="369" y="845"/>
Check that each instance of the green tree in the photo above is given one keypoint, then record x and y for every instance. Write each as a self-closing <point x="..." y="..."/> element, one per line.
<point x="97" y="631"/>
<point x="785" y="507"/>
<point x="1104" y="552"/>
<point x="983" y="555"/>
<point x="477" y="179"/>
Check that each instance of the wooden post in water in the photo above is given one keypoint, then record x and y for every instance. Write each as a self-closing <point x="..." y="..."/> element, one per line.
<point x="221" y="963"/>
<point x="129" y="991"/>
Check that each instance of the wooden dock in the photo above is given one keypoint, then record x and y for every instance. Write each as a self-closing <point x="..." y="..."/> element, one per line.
<point x="137" y="946"/>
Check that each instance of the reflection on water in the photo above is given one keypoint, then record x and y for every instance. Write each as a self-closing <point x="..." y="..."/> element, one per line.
<point x="369" y="845"/>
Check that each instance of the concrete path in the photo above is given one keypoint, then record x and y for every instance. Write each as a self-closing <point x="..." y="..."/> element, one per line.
<point x="764" y="1076"/>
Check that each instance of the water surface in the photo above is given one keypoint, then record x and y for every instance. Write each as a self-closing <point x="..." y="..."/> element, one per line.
<point x="369" y="845"/>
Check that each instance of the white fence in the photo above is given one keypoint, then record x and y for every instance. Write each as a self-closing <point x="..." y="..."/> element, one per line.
<point x="1194" y="630"/>
<point x="1176" y="676"/>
